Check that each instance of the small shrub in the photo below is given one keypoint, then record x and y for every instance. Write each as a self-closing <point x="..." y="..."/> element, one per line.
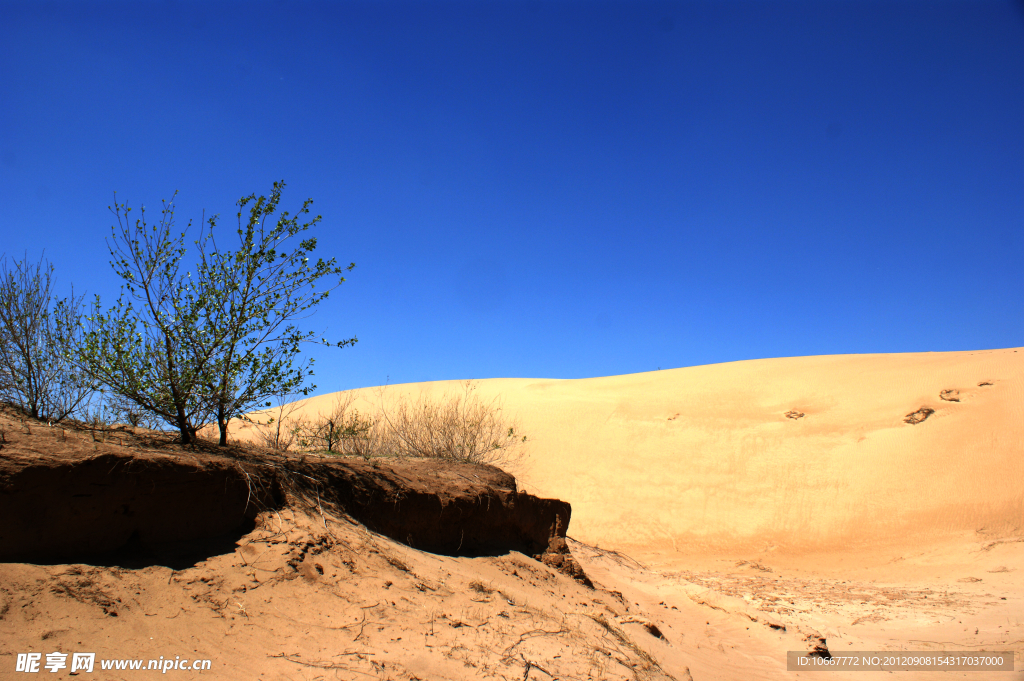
<point x="342" y="431"/>
<point x="280" y="431"/>
<point x="456" y="427"/>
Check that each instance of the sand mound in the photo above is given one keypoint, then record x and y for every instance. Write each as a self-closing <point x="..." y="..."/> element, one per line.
<point x="781" y="455"/>
<point x="305" y="596"/>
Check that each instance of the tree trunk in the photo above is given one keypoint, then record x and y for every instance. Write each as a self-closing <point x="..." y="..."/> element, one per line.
<point x="187" y="437"/>
<point x="188" y="434"/>
<point x="222" y="423"/>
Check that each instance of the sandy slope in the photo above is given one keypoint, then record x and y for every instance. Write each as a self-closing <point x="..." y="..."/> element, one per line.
<point x="310" y="597"/>
<point x="705" y="458"/>
<point x="847" y="520"/>
<point x="315" y="597"/>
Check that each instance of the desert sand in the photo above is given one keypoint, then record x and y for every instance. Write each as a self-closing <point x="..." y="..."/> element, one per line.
<point x="705" y="458"/>
<point x="725" y="514"/>
<point x="797" y="487"/>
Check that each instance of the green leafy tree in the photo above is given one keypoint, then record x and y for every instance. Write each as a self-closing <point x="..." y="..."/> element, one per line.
<point x="207" y="344"/>
<point x="253" y="294"/>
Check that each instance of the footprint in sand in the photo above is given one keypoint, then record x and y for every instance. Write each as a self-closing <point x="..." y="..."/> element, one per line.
<point x="918" y="416"/>
<point x="950" y="395"/>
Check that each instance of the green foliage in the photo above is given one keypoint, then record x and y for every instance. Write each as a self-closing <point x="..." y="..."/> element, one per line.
<point x="193" y="346"/>
<point x="37" y="369"/>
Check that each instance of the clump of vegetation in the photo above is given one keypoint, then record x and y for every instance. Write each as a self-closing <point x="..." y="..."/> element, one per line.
<point x="38" y="335"/>
<point x="457" y="427"/>
<point x="280" y="431"/>
<point x="342" y="430"/>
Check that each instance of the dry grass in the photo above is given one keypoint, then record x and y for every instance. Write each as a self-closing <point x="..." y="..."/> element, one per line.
<point x="457" y="427"/>
<point x="279" y="431"/>
<point x="342" y="430"/>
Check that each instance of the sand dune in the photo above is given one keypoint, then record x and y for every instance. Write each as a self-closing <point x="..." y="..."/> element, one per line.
<point x="777" y="456"/>
<point x="874" y="502"/>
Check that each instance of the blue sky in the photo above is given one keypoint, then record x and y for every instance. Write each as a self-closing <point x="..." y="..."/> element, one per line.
<point x="552" y="189"/>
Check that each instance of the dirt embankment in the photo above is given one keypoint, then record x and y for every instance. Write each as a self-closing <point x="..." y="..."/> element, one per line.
<point x="69" y="509"/>
<point x="134" y="505"/>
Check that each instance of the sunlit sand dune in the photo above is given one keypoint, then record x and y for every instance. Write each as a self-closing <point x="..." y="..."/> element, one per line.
<point x="873" y="500"/>
<point x="801" y="454"/>
<point x="722" y="516"/>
